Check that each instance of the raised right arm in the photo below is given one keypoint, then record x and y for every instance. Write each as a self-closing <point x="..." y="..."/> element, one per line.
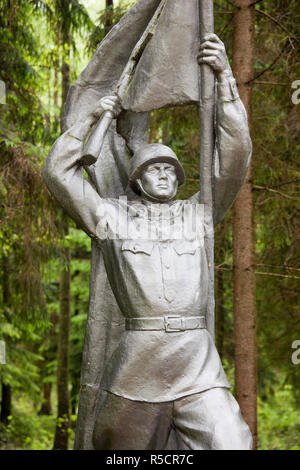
<point x="64" y="177"/>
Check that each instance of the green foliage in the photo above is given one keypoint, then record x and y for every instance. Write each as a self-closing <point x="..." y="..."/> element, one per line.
<point x="107" y="18"/>
<point x="279" y="421"/>
<point x="27" y="226"/>
<point x="19" y="53"/>
<point x="69" y="16"/>
<point x="26" y="429"/>
<point x="28" y="432"/>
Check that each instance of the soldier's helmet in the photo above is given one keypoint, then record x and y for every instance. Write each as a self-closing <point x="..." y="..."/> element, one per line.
<point x="149" y="154"/>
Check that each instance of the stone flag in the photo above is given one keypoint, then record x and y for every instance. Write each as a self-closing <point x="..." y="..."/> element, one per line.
<point x="167" y="72"/>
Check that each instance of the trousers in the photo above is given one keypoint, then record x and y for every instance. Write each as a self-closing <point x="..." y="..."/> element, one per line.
<point x="210" y="420"/>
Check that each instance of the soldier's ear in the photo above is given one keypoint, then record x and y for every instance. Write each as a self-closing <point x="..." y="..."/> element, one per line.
<point x="176" y="186"/>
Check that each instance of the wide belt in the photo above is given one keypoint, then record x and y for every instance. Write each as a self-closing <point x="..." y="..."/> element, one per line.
<point x="169" y="323"/>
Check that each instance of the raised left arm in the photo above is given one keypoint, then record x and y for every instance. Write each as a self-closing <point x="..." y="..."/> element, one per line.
<point x="233" y="147"/>
<point x="233" y="144"/>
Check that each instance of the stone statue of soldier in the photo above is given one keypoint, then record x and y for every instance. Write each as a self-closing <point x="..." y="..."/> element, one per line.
<point x="165" y="374"/>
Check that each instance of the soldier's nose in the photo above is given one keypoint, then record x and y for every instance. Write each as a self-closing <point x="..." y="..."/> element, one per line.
<point x="162" y="174"/>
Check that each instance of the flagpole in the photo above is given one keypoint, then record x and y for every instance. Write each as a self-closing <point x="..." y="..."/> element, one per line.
<point x="206" y="107"/>
<point x="207" y="143"/>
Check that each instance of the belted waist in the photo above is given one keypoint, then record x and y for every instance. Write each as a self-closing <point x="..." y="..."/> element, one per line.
<point x="169" y="323"/>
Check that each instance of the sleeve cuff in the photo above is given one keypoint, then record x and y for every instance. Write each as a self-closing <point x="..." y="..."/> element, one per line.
<point x="227" y="91"/>
<point x="79" y="130"/>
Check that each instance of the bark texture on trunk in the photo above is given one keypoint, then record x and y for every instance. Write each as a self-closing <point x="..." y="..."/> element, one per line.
<point x="220" y="313"/>
<point x="46" y="405"/>
<point x="65" y="80"/>
<point x="62" y="425"/>
<point x="243" y="232"/>
<point x="108" y="19"/>
<point x="5" y="403"/>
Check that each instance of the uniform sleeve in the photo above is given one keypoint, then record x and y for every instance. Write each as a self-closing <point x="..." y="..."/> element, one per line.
<point x="233" y="148"/>
<point x="64" y="177"/>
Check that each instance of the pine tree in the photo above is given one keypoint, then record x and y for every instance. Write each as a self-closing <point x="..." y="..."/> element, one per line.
<point x="243" y="232"/>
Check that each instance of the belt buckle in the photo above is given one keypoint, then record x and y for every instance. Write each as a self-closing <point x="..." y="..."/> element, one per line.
<point x="168" y="326"/>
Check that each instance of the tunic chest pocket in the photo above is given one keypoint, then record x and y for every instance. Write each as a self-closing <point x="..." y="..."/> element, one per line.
<point x="186" y="247"/>
<point x="142" y="246"/>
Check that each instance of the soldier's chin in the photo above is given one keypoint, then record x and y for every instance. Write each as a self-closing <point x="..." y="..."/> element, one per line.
<point x="163" y="194"/>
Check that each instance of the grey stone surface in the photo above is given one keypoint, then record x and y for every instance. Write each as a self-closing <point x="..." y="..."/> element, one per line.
<point x="168" y="74"/>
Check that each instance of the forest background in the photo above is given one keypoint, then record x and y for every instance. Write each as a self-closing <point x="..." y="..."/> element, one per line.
<point x="45" y="259"/>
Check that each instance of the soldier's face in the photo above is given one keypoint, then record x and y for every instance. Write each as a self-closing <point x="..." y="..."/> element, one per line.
<point x="159" y="180"/>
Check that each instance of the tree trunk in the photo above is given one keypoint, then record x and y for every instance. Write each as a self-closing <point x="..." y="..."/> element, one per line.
<point x="46" y="405"/>
<point x="62" y="425"/>
<point x="75" y="375"/>
<point x="5" y="403"/>
<point x="109" y="14"/>
<point x="63" y="415"/>
<point x="6" y="300"/>
<point x="220" y="313"/>
<point x="55" y="85"/>
<point x="65" y="81"/>
<point x="243" y="232"/>
<point x="49" y="354"/>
